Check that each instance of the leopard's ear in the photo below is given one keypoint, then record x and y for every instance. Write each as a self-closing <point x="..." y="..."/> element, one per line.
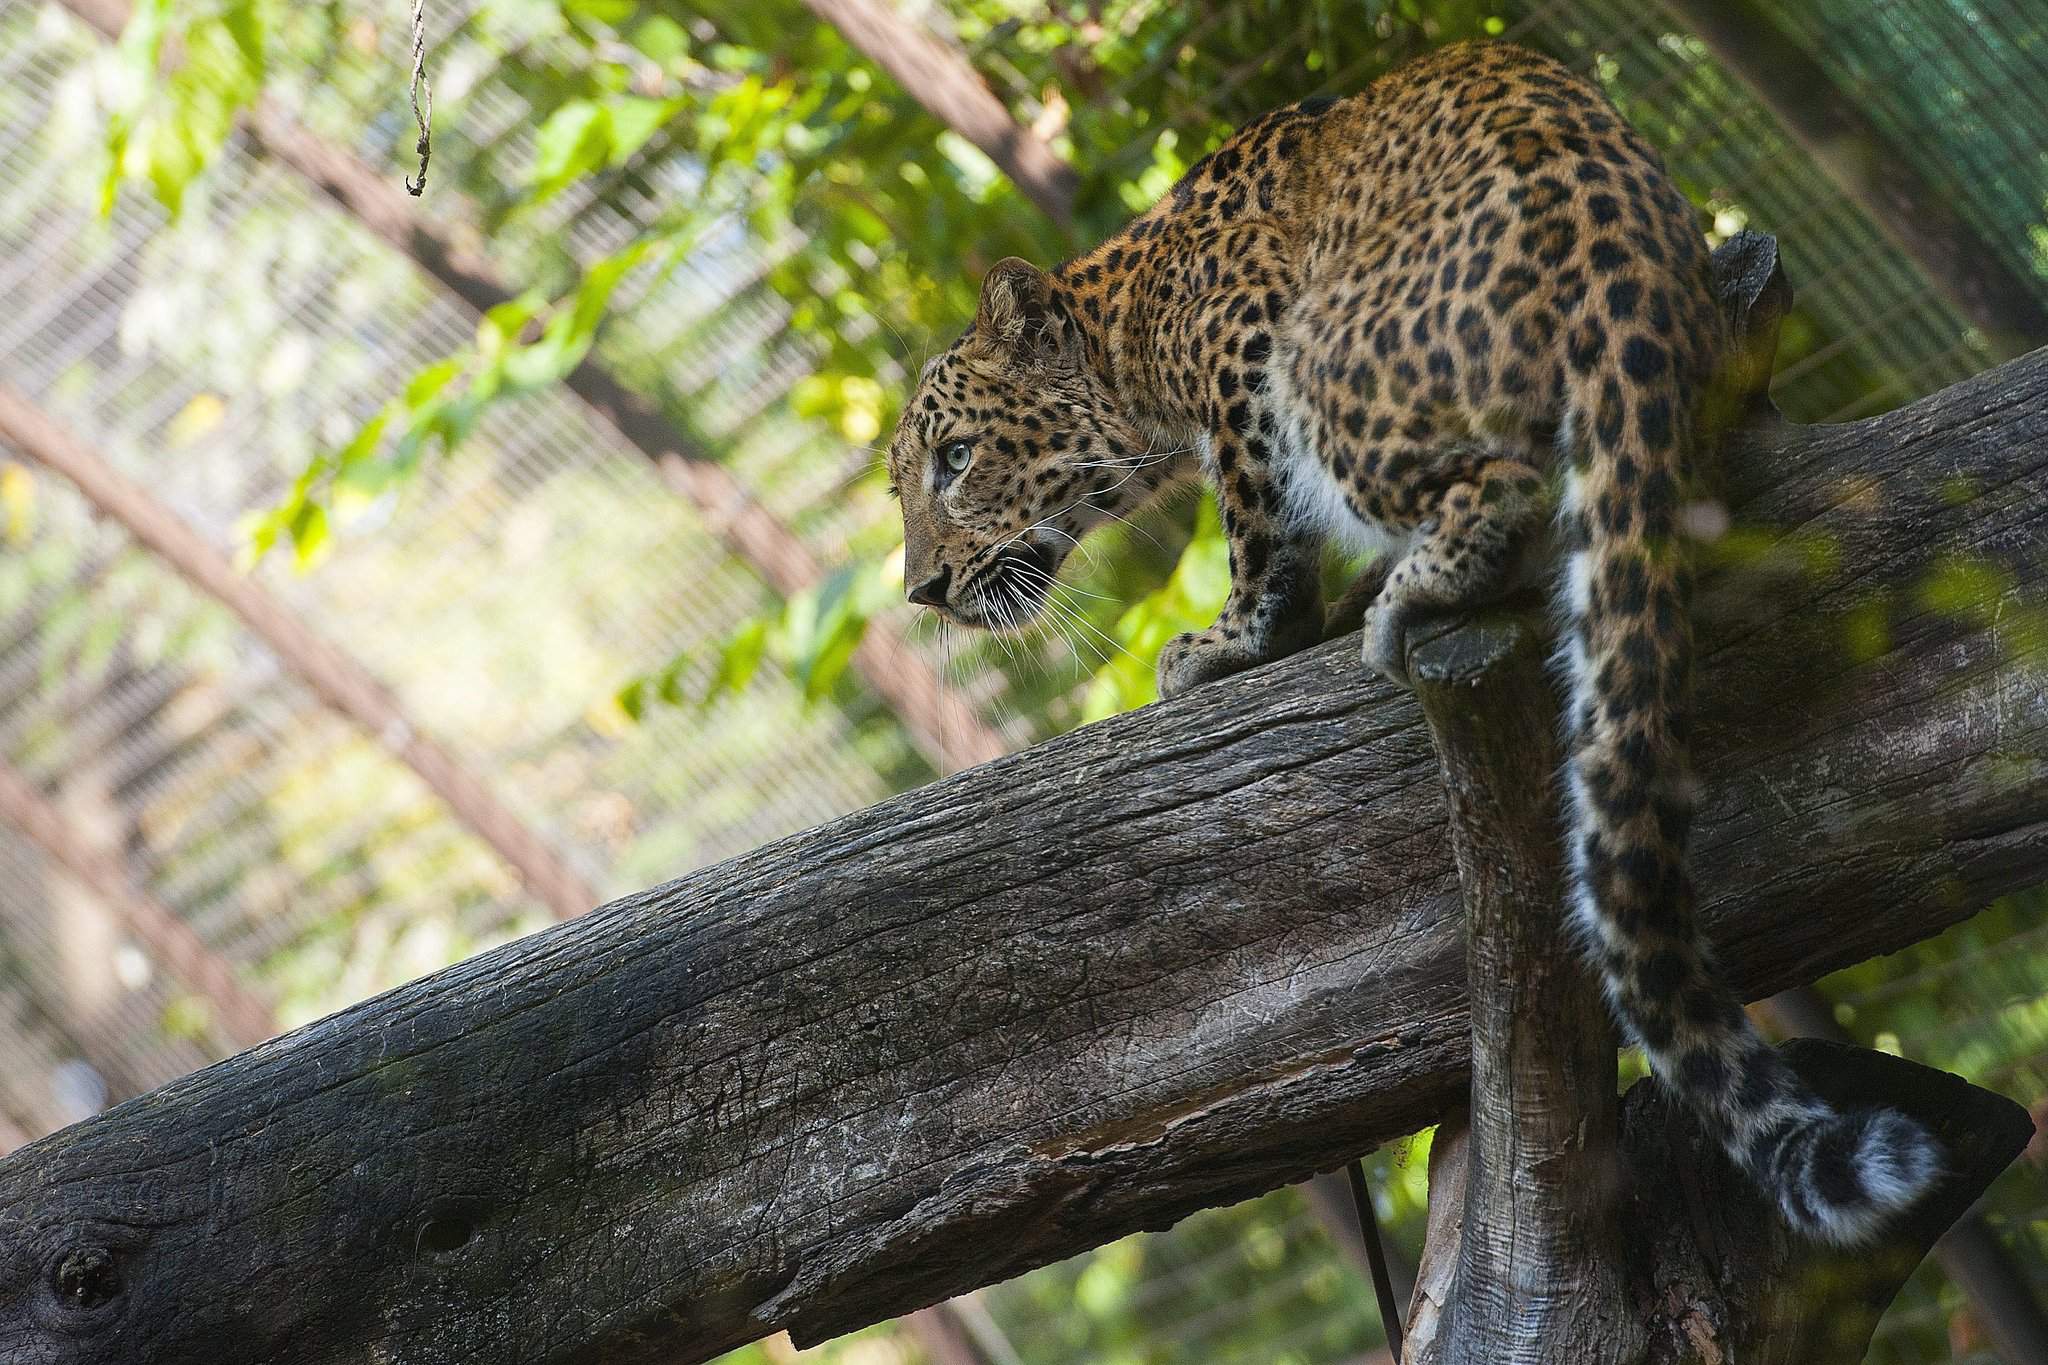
<point x="1018" y="311"/>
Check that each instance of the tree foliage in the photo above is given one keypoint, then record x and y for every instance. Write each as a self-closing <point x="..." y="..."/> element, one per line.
<point x="761" y="160"/>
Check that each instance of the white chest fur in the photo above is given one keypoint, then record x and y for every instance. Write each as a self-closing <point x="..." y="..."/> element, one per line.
<point x="1312" y="500"/>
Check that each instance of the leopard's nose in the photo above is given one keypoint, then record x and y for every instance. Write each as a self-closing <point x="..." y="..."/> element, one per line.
<point x="932" y="592"/>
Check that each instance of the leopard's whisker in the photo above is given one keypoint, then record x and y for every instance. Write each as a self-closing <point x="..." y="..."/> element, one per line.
<point x="1047" y="578"/>
<point x="1076" y="615"/>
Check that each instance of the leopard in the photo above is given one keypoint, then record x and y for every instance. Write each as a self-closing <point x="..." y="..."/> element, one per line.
<point x="1462" y="321"/>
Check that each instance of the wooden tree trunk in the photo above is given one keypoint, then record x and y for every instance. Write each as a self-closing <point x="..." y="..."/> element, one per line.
<point x="1577" y="1239"/>
<point x="1538" y="1260"/>
<point x="1167" y="961"/>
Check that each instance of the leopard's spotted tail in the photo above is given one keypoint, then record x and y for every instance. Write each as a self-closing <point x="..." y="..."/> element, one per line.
<point x="1626" y="649"/>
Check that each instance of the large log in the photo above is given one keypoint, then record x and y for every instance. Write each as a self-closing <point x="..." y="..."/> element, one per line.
<point x="1167" y="961"/>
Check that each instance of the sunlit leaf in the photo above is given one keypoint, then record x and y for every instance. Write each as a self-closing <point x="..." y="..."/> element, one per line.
<point x="573" y="140"/>
<point x="431" y="380"/>
<point x="633" y="121"/>
<point x="309" y="533"/>
<point x="17" y="501"/>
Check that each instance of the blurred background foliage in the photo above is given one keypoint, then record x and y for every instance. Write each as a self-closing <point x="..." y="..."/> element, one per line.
<point x="756" y="229"/>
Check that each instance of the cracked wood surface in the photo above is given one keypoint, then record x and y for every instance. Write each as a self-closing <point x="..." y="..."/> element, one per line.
<point x="1168" y="961"/>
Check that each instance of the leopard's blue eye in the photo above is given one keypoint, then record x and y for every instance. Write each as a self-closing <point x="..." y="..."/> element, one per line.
<point x="954" y="457"/>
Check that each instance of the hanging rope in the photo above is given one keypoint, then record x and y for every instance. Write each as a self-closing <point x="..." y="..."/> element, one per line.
<point x="419" y="82"/>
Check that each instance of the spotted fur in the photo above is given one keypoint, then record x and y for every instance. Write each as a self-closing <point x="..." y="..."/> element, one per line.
<point x="1432" y="318"/>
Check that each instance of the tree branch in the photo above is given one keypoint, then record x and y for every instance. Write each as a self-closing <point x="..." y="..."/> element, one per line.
<point x="943" y="727"/>
<point x="242" y="1017"/>
<point x="1170" y="960"/>
<point x="1872" y="171"/>
<point x="331" y="674"/>
<point x="938" y="76"/>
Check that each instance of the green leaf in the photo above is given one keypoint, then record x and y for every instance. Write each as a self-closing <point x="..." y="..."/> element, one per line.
<point x="244" y="23"/>
<point x="661" y="38"/>
<point x="569" y="333"/>
<point x="740" y="659"/>
<point x="670" y="681"/>
<point x="606" y="12"/>
<point x="632" y="699"/>
<point x="366" y="440"/>
<point x="633" y="121"/>
<point x="500" y="327"/>
<point x="256" y="533"/>
<point x="575" y="139"/>
<point x="309" y="533"/>
<point x="430" y="381"/>
<point x="830" y="623"/>
<point x="170" y="161"/>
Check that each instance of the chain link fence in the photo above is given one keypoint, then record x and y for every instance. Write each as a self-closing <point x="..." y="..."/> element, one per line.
<point x="518" y="582"/>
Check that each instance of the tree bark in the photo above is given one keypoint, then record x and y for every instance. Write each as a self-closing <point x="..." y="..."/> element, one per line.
<point x="1714" y="1271"/>
<point x="943" y="727"/>
<point x="1539" y="1275"/>
<point x="2000" y="1300"/>
<point x="1168" y="961"/>
<point x="1541" y="1262"/>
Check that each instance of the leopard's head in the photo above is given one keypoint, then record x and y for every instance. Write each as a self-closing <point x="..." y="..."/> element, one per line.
<point x="1009" y="451"/>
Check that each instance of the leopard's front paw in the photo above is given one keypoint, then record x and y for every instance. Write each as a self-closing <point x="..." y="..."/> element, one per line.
<point x="1201" y="656"/>
<point x="1386" y="639"/>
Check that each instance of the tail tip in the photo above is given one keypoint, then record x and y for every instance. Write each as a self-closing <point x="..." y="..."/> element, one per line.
<point x="1860" y="1170"/>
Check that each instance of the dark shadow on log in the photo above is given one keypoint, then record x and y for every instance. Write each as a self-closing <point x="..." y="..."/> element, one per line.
<point x="1718" y="1275"/>
<point x="2001" y="1301"/>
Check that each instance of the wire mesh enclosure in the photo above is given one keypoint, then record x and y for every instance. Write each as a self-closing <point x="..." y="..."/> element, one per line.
<point x="540" y="598"/>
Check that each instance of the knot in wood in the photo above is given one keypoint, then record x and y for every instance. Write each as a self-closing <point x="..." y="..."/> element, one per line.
<point x="85" y="1278"/>
<point x="448" y="1226"/>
